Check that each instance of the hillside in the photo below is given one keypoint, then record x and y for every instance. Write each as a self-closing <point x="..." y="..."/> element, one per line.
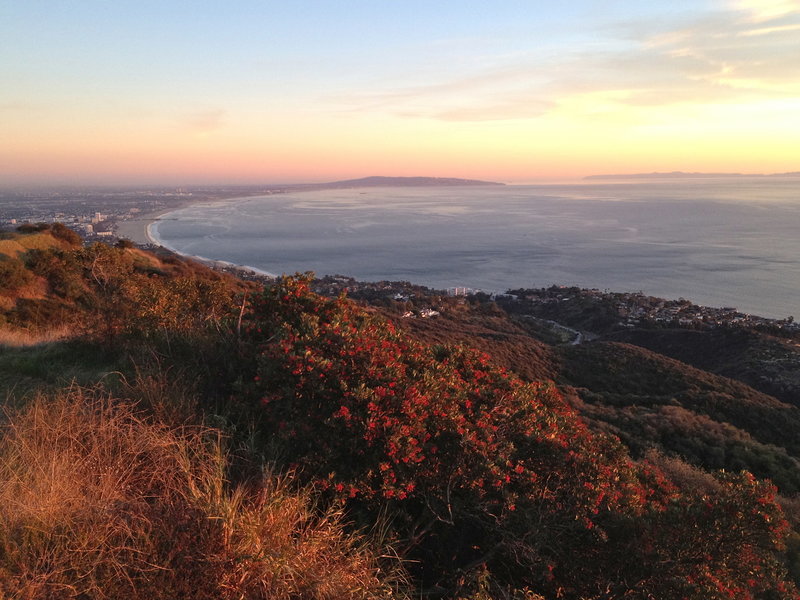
<point x="649" y="400"/>
<point x="766" y="362"/>
<point x="51" y="281"/>
<point x="288" y="444"/>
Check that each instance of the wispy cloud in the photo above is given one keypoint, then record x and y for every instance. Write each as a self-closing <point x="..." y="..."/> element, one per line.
<point x="203" y="122"/>
<point x="507" y="92"/>
<point x="765" y="10"/>
<point x="733" y="55"/>
<point x="773" y="29"/>
<point x="740" y="54"/>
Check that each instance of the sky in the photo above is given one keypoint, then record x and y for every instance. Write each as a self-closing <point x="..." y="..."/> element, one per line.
<point x="282" y="92"/>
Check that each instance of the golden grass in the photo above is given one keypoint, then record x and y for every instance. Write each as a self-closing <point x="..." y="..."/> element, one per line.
<point x="11" y="248"/>
<point x="145" y="259"/>
<point x="16" y="243"/>
<point x="22" y="338"/>
<point x="97" y="502"/>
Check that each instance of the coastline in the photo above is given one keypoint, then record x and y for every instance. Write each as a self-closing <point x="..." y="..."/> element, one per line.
<point x="138" y="230"/>
<point x="146" y="230"/>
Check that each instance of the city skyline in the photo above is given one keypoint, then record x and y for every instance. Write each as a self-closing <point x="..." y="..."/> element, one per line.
<point x="266" y="92"/>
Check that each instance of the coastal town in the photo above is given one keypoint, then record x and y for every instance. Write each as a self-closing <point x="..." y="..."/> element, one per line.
<point x="561" y="305"/>
<point x="635" y="309"/>
<point x="109" y="213"/>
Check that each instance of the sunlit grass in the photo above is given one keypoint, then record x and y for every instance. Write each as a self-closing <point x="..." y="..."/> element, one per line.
<point x="97" y="501"/>
<point x="14" y="244"/>
<point x="23" y="338"/>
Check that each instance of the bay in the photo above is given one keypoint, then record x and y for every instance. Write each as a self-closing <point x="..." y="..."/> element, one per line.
<point x="716" y="242"/>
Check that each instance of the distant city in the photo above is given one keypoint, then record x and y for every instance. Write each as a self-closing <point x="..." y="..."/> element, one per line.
<point x="96" y="212"/>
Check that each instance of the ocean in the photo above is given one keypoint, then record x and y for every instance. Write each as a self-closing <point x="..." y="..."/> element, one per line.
<point x="716" y="242"/>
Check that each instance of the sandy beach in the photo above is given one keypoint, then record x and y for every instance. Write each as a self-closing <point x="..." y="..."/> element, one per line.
<point x="136" y="230"/>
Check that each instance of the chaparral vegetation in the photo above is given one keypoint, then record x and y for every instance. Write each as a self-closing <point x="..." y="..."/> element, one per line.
<point x="172" y="432"/>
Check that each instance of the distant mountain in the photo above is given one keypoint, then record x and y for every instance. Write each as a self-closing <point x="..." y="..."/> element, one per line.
<point x="684" y="175"/>
<point x="378" y="181"/>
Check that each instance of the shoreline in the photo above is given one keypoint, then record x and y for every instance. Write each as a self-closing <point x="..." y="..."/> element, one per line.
<point x="138" y="230"/>
<point x="144" y="230"/>
<point x="140" y="233"/>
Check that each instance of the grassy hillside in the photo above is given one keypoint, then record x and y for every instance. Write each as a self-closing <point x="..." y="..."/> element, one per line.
<point x="173" y="432"/>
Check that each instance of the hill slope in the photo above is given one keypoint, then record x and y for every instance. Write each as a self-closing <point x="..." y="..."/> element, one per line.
<point x="490" y="484"/>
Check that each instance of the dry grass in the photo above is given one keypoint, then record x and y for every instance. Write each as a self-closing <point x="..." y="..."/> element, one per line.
<point x="96" y="502"/>
<point x="36" y="289"/>
<point x="11" y="247"/>
<point x="14" y="244"/>
<point x="144" y="259"/>
<point x="167" y="395"/>
<point x="22" y="338"/>
<point x="686" y="476"/>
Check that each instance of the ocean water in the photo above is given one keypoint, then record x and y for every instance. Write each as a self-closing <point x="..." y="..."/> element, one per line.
<point x="717" y="242"/>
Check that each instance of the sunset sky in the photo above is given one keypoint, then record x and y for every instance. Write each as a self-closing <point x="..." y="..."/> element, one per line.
<point x="280" y="92"/>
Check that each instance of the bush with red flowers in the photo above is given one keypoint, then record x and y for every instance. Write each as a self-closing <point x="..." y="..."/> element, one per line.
<point x="482" y="471"/>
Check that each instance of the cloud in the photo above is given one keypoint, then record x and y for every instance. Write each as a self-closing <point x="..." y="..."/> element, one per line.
<point x="505" y="92"/>
<point x="733" y="55"/>
<point x="203" y="122"/>
<point x="737" y="55"/>
<point x="765" y="10"/>
<point x="718" y="57"/>
<point x="773" y="29"/>
<point x="520" y="107"/>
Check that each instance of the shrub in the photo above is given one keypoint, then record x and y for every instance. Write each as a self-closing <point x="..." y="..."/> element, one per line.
<point x="62" y="232"/>
<point x="176" y="304"/>
<point x="482" y="471"/>
<point x="366" y="406"/>
<point x="13" y="275"/>
<point x="33" y="227"/>
<point x="41" y="314"/>
<point x="60" y="268"/>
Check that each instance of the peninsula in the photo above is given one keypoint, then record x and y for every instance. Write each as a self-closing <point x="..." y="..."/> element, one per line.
<point x="380" y="181"/>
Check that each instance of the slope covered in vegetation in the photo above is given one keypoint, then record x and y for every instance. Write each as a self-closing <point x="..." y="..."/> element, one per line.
<point x="233" y="442"/>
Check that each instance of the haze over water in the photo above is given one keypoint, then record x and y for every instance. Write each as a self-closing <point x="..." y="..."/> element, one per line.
<point x="717" y="242"/>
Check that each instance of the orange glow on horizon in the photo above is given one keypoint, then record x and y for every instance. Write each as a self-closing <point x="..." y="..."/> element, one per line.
<point x="578" y="137"/>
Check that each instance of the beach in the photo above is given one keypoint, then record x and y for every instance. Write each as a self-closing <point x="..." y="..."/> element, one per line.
<point x="137" y="230"/>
